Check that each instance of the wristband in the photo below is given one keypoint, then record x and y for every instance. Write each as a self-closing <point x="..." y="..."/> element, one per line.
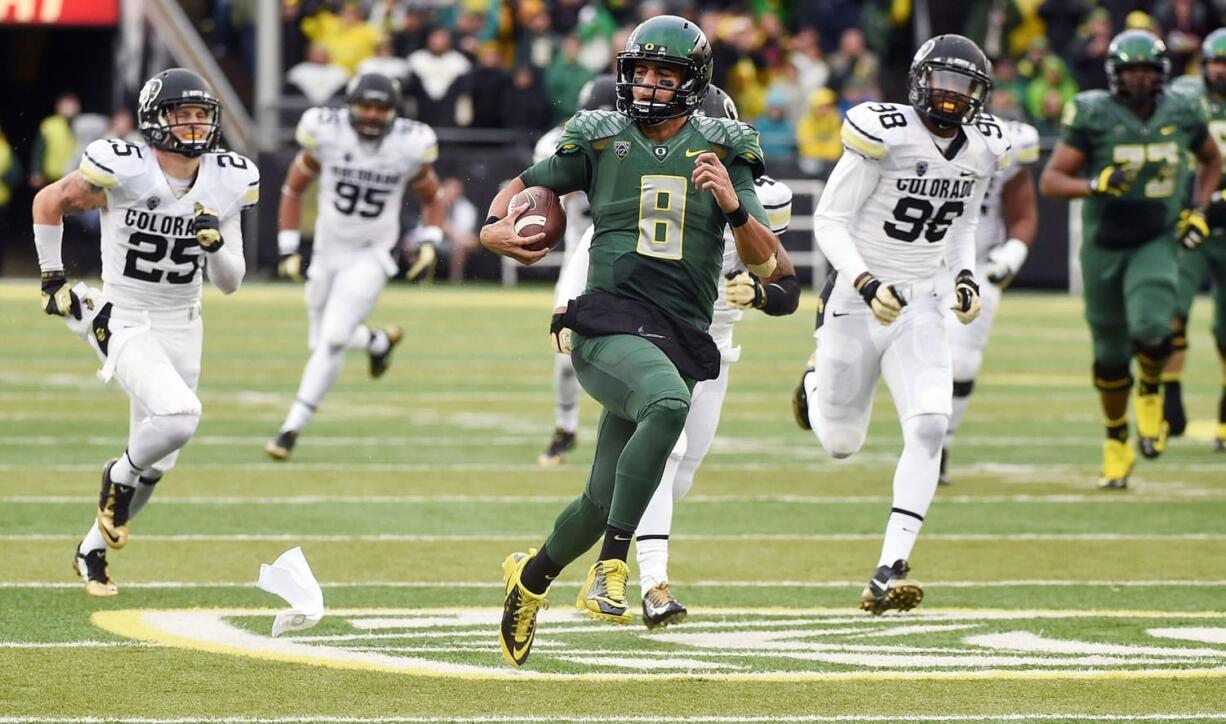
<point x="288" y="241"/>
<point x="765" y="269"/>
<point x="48" y="238"/>
<point x="782" y="296"/>
<point x="430" y="235"/>
<point x="738" y="218"/>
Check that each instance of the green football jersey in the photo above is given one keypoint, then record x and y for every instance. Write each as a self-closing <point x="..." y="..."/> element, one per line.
<point x="656" y="236"/>
<point x="1193" y="86"/>
<point x="1108" y="132"/>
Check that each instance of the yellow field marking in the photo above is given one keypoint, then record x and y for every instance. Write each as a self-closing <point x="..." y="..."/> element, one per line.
<point x="131" y="623"/>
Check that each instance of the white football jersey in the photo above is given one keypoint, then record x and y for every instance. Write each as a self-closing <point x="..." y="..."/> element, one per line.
<point x="361" y="183"/>
<point x="992" y="231"/>
<point x="578" y="210"/>
<point x="923" y="194"/>
<point x="150" y="257"/>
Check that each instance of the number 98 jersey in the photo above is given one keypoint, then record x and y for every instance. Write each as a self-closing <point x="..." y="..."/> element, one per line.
<point x="924" y="192"/>
<point x="361" y="183"/>
<point x="150" y="257"/>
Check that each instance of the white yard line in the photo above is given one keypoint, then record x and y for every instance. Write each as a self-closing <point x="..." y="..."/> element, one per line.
<point x="1018" y="583"/>
<point x="80" y="645"/>
<point x="708" y="537"/>
<point x="719" y="719"/>
<point x="1097" y="499"/>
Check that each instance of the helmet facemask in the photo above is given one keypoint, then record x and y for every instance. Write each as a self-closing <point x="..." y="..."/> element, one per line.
<point x="1141" y="88"/>
<point x="1214" y="72"/>
<point x="651" y="110"/>
<point x="191" y="137"/>
<point x="371" y="120"/>
<point x="947" y="95"/>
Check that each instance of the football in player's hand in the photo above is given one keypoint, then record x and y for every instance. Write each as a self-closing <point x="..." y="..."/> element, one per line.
<point x="544" y="213"/>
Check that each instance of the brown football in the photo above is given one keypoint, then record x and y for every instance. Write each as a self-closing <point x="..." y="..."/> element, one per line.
<point x="544" y="213"/>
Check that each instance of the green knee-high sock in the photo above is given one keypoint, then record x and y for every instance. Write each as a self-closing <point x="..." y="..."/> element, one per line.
<point x="577" y="528"/>
<point x="642" y="462"/>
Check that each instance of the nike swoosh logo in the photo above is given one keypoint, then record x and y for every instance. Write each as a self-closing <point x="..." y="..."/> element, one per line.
<point x="518" y="652"/>
<point x="1167" y="131"/>
<point x="618" y="537"/>
<point x="644" y="333"/>
<point x="837" y="314"/>
<point x="691" y="154"/>
<point x="965" y="174"/>
<point x="107" y="533"/>
<point x="549" y="577"/>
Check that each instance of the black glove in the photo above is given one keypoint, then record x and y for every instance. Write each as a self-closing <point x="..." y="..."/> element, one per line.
<point x="58" y="298"/>
<point x="208" y="229"/>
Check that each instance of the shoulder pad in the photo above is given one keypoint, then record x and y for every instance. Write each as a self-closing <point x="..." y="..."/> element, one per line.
<point x="871" y="128"/>
<point x="238" y="174"/>
<point x="996" y="136"/>
<point x="1193" y="84"/>
<point x="316" y="125"/>
<point x="107" y="162"/>
<point x="776" y="199"/>
<point x="587" y="126"/>
<point x="545" y="146"/>
<point x="418" y="138"/>
<point x="740" y="139"/>
<point x="1085" y="107"/>
<point x="1025" y="140"/>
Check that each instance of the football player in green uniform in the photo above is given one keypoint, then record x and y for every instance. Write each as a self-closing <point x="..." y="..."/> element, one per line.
<point x="663" y="183"/>
<point x="1209" y="259"/>
<point x="1133" y="142"/>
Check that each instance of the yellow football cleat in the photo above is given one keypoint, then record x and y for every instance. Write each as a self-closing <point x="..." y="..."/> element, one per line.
<point x="1118" y="460"/>
<point x="91" y="567"/>
<point x="519" y="610"/>
<point x="1152" y="427"/>
<point x="114" y="503"/>
<point x="890" y="589"/>
<point x="603" y="594"/>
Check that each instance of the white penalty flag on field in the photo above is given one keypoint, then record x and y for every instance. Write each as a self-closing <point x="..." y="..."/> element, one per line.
<point x="290" y="577"/>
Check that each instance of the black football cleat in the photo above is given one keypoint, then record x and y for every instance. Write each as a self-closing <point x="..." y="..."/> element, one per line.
<point x="889" y="589"/>
<point x="380" y="362"/>
<point x="114" y="509"/>
<point x="661" y="608"/>
<point x="280" y="447"/>
<point x="561" y="443"/>
<point x="91" y="567"/>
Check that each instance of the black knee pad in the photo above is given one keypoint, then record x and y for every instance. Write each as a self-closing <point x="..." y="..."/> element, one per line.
<point x="1112" y="377"/>
<point x="1155" y="349"/>
<point x="963" y="388"/>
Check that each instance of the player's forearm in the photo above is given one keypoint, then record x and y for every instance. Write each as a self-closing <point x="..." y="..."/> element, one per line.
<point x="227" y="266"/>
<point x="498" y="207"/>
<point x="1056" y="184"/>
<point x="755" y="243"/>
<point x="1208" y="174"/>
<point x="837" y="246"/>
<point x="1021" y="209"/>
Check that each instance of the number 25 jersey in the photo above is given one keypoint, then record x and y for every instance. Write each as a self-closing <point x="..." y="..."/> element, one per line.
<point x="925" y="195"/>
<point x="150" y="257"/>
<point x="361" y="183"/>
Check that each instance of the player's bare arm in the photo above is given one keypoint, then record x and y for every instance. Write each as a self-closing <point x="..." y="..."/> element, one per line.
<point x="1208" y="172"/>
<point x="1021" y="207"/>
<point x="302" y="171"/>
<point x="426" y="187"/>
<point x="499" y="234"/>
<point x="755" y="243"/>
<point x="73" y="194"/>
<point x="1059" y="179"/>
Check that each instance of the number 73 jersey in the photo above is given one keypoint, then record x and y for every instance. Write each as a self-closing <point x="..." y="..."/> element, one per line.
<point x="361" y="183"/>
<point x="925" y="194"/>
<point x="150" y="257"/>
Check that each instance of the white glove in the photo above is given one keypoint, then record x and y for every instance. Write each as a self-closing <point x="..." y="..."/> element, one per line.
<point x="885" y="301"/>
<point x="744" y="291"/>
<point x="1005" y="261"/>
<point x="966" y="297"/>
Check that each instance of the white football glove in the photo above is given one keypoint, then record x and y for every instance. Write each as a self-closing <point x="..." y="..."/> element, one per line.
<point x="966" y="297"/>
<point x="559" y="335"/>
<point x="1005" y="261"/>
<point x="885" y="301"/>
<point x="744" y="291"/>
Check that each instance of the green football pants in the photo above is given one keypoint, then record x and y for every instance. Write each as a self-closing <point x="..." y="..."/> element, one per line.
<point x="645" y="402"/>
<point x="1129" y="297"/>
<point x="1194" y="266"/>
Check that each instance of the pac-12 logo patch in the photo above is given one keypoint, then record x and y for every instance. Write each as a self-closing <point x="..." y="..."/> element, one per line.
<point x="621" y="149"/>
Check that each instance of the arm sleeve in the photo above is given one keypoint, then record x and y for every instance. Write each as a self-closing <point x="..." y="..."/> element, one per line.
<point x="741" y="174"/>
<point x="849" y="186"/>
<point x="562" y="172"/>
<point x="227" y="266"/>
<point x="960" y="246"/>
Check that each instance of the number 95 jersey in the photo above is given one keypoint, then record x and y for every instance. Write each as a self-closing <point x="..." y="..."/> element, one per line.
<point x="924" y="191"/>
<point x="150" y="257"/>
<point x="361" y="183"/>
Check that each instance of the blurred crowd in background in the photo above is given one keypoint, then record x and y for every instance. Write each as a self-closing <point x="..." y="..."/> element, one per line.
<point x="793" y="66"/>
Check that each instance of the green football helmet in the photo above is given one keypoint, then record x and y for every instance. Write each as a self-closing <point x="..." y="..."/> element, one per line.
<point x="664" y="39"/>
<point x="1213" y="49"/>
<point x="1132" y="49"/>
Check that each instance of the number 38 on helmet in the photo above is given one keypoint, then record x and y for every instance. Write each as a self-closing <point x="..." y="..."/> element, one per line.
<point x="950" y="81"/>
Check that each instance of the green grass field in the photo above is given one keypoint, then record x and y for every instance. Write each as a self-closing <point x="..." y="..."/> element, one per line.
<point x="1047" y="599"/>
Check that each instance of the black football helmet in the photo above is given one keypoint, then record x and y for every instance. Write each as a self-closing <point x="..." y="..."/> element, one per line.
<point x="950" y="81"/>
<point x="168" y="90"/>
<point x="599" y="94"/>
<point x="718" y="104"/>
<point x="373" y="89"/>
<point x="664" y="39"/>
<point x="1137" y="49"/>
